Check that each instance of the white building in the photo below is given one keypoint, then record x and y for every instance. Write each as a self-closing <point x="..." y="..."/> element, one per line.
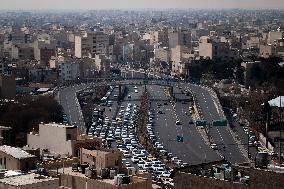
<point x="60" y="139"/>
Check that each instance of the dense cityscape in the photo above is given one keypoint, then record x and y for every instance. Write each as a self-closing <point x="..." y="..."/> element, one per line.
<point x="142" y="99"/>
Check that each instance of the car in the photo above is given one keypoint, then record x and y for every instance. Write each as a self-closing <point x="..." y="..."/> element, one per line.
<point x="160" y="112"/>
<point x="135" y="87"/>
<point x="166" y="174"/>
<point x="178" y="122"/>
<point x="134" y="159"/>
<point x="174" y="159"/>
<point x="214" y="146"/>
<point x="136" y="91"/>
<point x="129" y="96"/>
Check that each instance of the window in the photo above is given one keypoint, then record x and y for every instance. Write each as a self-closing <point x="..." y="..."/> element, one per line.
<point x="68" y="137"/>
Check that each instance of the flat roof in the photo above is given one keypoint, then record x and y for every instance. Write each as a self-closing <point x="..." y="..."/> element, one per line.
<point x="15" y="152"/>
<point x="59" y="125"/>
<point x="26" y="179"/>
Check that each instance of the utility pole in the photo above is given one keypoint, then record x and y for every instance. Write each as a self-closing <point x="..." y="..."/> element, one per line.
<point x="280" y="137"/>
<point x="266" y="131"/>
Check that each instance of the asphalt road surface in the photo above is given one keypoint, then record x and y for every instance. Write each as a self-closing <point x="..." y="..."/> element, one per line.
<point x="193" y="150"/>
<point x="221" y="135"/>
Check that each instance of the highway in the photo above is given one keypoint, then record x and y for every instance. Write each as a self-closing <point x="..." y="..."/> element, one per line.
<point x="221" y="135"/>
<point x="193" y="150"/>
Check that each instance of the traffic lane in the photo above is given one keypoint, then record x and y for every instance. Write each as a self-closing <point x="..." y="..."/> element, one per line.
<point x="243" y="137"/>
<point x="157" y="92"/>
<point x="135" y="96"/>
<point x="227" y="145"/>
<point x="167" y="132"/>
<point x="196" y="141"/>
<point x="221" y="136"/>
<point x="71" y="107"/>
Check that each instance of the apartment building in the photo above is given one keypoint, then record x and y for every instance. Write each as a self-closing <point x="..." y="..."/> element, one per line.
<point x="43" y="51"/>
<point x="22" y="51"/>
<point x="91" y="44"/>
<point x="180" y="56"/>
<point x="102" y="63"/>
<point x="68" y="71"/>
<point x="162" y="54"/>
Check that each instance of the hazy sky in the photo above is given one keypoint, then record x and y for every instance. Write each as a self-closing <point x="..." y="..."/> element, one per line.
<point x="117" y="4"/>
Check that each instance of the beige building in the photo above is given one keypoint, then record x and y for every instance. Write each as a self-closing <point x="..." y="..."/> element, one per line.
<point x="273" y="36"/>
<point x="12" y="158"/>
<point x="180" y="56"/>
<point x="206" y="47"/>
<point x="61" y="139"/>
<point x="102" y="63"/>
<point x="14" y="180"/>
<point x="162" y="54"/>
<point x="91" y="44"/>
<point x="266" y="51"/>
<point x="43" y="51"/>
<point x="7" y="86"/>
<point x="22" y="51"/>
<point x="100" y="159"/>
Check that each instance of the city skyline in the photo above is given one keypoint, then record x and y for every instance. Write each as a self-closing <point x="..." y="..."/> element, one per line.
<point x="139" y="4"/>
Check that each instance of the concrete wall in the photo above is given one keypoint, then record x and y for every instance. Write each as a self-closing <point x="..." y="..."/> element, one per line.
<point x="57" y="164"/>
<point x="190" y="181"/>
<point x="52" y="138"/>
<point x="86" y="183"/>
<point x="259" y="179"/>
<point x="263" y="179"/>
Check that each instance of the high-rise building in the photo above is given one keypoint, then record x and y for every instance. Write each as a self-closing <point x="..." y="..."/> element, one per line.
<point x="91" y="44"/>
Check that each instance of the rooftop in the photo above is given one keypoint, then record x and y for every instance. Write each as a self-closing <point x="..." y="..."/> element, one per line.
<point x="59" y="125"/>
<point x="25" y="179"/>
<point x="15" y="152"/>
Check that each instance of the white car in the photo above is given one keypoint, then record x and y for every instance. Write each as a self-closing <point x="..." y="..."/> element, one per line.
<point x="214" y="146"/>
<point x="134" y="159"/>
<point x="136" y="91"/>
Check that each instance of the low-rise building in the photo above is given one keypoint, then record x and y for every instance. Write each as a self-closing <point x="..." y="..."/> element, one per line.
<point x="16" y="159"/>
<point x="16" y="180"/>
<point x="61" y="139"/>
<point x="100" y="159"/>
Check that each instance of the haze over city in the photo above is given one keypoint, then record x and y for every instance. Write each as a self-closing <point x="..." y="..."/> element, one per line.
<point x="141" y="4"/>
<point x="141" y="94"/>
